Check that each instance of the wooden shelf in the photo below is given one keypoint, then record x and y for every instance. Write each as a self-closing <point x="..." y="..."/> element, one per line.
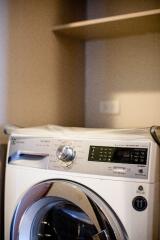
<point x="114" y="26"/>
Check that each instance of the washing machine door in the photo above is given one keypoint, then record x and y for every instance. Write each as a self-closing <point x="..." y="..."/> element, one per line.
<point x="64" y="210"/>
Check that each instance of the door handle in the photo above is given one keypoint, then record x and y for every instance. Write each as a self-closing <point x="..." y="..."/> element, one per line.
<point x="26" y="155"/>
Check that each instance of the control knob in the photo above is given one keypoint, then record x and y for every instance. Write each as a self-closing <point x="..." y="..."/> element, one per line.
<point x="65" y="153"/>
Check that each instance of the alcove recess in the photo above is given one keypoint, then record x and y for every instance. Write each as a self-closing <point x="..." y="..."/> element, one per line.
<point x="101" y="42"/>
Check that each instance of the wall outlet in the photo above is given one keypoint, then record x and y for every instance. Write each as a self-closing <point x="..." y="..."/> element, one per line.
<point x="109" y="107"/>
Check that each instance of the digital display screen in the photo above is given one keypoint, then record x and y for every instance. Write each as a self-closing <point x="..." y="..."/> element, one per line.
<point x="118" y="155"/>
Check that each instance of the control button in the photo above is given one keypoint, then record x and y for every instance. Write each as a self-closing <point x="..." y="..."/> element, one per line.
<point x="140" y="188"/>
<point x="65" y="153"/>
<point x="136" y="153"/>
<point x="136" y="160"/>
<point x="119" y="170"/>
<point x="139" y="203"/>
<point x="140" y="170"/>
<point x="142" y="161"/>
<point x="142" y="153"/>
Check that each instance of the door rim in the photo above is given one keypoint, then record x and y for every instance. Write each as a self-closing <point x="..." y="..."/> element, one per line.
<point x="111" y="216"/>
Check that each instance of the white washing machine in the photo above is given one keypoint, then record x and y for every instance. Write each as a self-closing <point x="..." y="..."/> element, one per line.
<point x="81" y="184"/>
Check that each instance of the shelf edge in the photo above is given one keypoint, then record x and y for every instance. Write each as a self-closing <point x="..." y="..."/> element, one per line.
<point x="106" y="20"/>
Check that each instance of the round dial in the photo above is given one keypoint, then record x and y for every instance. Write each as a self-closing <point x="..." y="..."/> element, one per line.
<point x="65" y="153"/>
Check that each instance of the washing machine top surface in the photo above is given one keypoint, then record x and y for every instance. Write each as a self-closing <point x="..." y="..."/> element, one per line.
<point x="69" y="132"/>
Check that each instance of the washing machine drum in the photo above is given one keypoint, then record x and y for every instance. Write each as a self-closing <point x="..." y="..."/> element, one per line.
<point x="64" y="210"/>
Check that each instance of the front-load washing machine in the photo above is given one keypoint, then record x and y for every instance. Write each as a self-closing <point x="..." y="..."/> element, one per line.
<point x="81" y="184"/>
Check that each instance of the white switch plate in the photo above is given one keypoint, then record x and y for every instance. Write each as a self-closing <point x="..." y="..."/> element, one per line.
<point x="109" y="107"/>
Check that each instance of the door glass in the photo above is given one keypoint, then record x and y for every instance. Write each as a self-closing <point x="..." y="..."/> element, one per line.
<point x="64" y="220"/>
<point x="61" y="219"/>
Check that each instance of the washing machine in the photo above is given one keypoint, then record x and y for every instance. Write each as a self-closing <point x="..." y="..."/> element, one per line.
<point x="82" y="184"/>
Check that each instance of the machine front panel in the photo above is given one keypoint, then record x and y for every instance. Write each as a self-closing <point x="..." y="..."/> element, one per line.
<point x="91" y="156"/>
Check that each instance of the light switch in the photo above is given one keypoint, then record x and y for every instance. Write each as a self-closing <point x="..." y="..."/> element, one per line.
<point x="109" y="107"/>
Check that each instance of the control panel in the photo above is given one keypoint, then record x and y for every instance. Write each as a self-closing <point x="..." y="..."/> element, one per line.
<point x="91" y="156"/>
<point x="118" y="154"/>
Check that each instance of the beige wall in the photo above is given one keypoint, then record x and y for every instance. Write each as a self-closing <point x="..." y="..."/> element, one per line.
<point x="3" y="61"/>
<point x="103" y="8"/>
<point x="41" y="86"/>
<point x="126" y="70"/>
<point x="42" y="75"/>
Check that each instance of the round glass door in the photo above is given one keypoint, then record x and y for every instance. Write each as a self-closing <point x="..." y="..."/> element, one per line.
<point x="65" y="210"/>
